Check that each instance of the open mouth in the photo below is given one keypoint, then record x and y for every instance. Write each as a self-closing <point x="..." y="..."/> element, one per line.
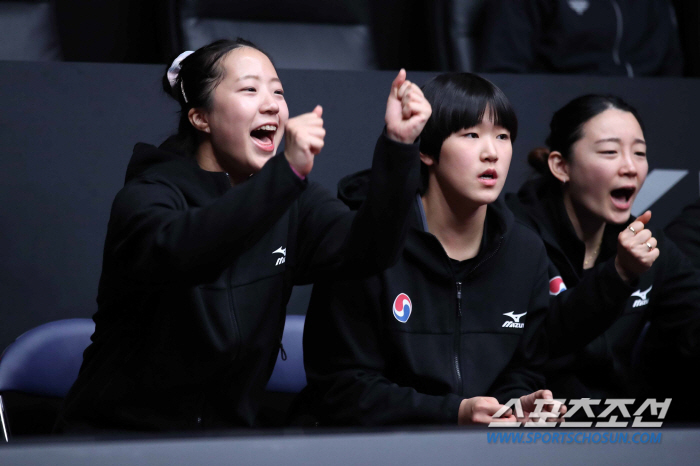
<point x="264" y="137"/>
<point x="489" y="177"/>
<point x="621" y="197"/>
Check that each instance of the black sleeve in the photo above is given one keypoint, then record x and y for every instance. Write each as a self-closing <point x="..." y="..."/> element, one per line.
<point x="523" y="375"/>
<point x="344" y="363"/>
<point x="334" y="240"/>
<point x="580" y="314"/>
<point x="685" y="232"/>
<point x="676" y="316"/>
<point x="509" y="37"/>
<point x="155" y="237"/>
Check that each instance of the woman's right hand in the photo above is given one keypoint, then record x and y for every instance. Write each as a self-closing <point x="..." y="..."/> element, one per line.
<point x="480" y="409"/>
<point x="304" y="140"/>
<point x="636" y="249"/>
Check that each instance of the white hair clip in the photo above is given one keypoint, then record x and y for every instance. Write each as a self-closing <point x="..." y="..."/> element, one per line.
<point x="174" y="71"/>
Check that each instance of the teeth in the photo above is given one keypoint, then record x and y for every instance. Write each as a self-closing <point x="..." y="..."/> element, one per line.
<point x="268" y="128"/>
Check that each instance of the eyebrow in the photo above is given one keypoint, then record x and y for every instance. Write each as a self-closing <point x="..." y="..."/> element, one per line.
<point x="636" y="141"/>
<point x="255" y="76"/>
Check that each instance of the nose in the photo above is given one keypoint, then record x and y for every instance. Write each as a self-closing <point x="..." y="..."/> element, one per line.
<point x="488" y="150"/>
<point x="269" y="104"/>
<point x="628" y="166"/>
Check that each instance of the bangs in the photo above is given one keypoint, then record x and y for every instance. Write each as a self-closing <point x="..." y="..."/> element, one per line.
<point x="459" y="101"/>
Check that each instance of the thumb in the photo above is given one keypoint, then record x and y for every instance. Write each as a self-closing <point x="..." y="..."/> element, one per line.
<point x="318" y="110"/>
<point x="528" y="401"/>
<point x="645" y="217"/>
<point x="398" y="81"/>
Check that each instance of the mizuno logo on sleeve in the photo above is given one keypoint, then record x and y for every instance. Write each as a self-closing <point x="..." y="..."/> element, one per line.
<point x="280" y="260"/>
<point x="515" y="323"/>
<point x="642" y="295"/>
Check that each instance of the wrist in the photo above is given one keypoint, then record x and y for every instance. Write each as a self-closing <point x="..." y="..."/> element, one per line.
<point x="396" y="137"/>
<point x="300" y="173"/>
<point x="303" y="177"/>
<point x="624" y="275"/>
<point x="464" y="413"/>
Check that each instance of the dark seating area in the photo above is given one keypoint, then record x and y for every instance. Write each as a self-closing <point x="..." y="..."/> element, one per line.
<point x="341" y="34"/>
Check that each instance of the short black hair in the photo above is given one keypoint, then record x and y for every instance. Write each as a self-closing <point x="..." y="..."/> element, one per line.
<point x="459" y="101"/>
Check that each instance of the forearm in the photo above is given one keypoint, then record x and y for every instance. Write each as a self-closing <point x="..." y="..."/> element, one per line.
<point x="345" y="244"/>
<point x="155" y="234"/>
<point x="579" y="314"/>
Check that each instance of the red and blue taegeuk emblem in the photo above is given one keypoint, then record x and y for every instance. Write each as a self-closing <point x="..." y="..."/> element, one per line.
<point x="402" y="307"/>
<point x="556" y="286"/>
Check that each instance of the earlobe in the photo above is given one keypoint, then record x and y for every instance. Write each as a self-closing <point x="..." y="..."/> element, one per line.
<point x="426" y="159"/>
<point x="198" y="119"/>
<point x="558" y="166"/>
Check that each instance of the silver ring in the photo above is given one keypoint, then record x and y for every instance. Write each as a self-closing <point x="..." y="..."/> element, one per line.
<point x="632" y="229"/>
<point x="650" y="246"/>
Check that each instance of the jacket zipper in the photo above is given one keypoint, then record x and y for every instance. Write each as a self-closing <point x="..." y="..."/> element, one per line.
<point x="618" y="40"/>
<point x="458" y="339"/>
<point x="233" y="313"/>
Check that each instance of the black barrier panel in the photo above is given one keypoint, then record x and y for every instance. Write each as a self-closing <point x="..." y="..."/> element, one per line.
<point x="67" y="130"/>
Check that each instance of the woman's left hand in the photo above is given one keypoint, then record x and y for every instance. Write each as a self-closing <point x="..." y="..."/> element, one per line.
<point x="304" y="137"/>
<point x="636" y="249"/>
<point x="551" y="411"/>
<point x="407" y="110"/>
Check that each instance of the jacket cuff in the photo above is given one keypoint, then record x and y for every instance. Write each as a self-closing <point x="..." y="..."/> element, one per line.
<point x="613" y="285"/>
<point x="399" y="145"/>
<point x="451" y="408"/>
<point x="281" y="164"/>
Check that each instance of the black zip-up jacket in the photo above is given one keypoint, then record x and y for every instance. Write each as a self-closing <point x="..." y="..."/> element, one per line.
<point x="371" y="358"/>
<point x="196" y="277"/>
<point x="596" y="320"/>
<point x="601" y="37"/>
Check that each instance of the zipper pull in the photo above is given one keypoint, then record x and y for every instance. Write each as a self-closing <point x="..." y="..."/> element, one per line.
<point x="283" y="353"/>
<point x="459" y="299"/>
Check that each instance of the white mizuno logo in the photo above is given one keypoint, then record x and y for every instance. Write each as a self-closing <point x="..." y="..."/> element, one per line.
<point x="515" y="317"/>
<point x="516" y="320"/>
<point x="280" y="260"/>
<point x="642" y="295"/>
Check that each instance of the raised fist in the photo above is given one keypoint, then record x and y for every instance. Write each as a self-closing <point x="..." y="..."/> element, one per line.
<point x="407" y="110"/>
<point x="636" y="249"/>
<point x="304" y="140"/>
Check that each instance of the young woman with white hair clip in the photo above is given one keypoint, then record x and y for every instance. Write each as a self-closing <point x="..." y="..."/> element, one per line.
<point x="209" y="235"/>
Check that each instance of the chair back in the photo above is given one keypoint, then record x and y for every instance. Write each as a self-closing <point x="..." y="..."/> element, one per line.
<point x="28" y="30"/>
<point x="457" y="25"/>
<point x="46" y="359"/>
<point x="309" y="34"/>
<point x="289" y="375"/>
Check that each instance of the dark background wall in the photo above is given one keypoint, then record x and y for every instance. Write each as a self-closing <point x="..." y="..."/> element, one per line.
<point x="67" y="130"/>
